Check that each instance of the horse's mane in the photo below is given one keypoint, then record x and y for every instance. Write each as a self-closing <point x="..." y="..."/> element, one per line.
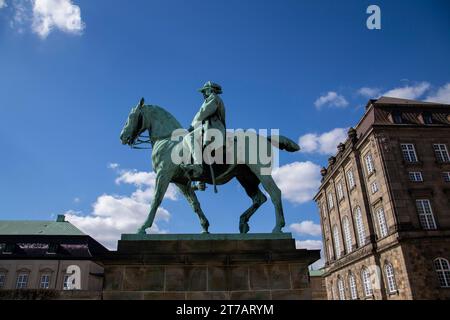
<point x="167" y="115"/>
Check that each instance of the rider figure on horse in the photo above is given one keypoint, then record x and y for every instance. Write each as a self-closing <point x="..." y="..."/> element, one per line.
<point x="210" y="116"/>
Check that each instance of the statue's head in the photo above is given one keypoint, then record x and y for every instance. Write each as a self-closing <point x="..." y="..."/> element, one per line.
<point x="209" y="88"/>
<point x="134" y="125"/>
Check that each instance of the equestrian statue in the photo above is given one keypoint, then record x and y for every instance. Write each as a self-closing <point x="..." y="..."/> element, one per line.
<point x="179" y="156"/>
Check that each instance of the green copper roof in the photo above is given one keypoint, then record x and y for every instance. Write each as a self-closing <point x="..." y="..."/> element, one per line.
<point x="48" y="228"/>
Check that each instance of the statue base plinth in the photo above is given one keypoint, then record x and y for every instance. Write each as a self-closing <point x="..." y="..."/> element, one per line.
<point x="221" y="266"/>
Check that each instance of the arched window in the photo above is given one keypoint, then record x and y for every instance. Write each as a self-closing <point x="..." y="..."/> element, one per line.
<point x="390" y="278"/>
<point x="442" y="268"/>
<point x="382" y="225"/>
<point x="352" y="286"/>
<point x="330" y="251"/>
<point x="337" y="242"/>
<point x="341" y="289"/>
<point x="367" y="282"/>
<point x="347" y="234"/>
<point x="360" y="227"/>
<point x="333" y="291"/>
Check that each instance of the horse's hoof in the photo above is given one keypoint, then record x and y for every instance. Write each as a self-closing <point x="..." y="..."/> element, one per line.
<point x="244" y="228"/>
<point x="141" y="231"/>
<point x="277" y="230"/>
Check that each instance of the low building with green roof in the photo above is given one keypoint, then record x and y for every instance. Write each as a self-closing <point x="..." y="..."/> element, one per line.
<point x="38" y="255"/>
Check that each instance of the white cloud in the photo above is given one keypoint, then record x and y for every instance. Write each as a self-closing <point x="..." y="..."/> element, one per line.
<point x="306" y="228"/>
<point x="76" y="200"/>
<point x="409" y="91"/>
<point x="113" y="166"/>
<point x="46" y="15"/>
<point x="331" y="99"/>
<point x="298" y="181"/>
<point x="369" y="92"/>
<point x="325" y="143"/>
<point x="309" y="244"/>
<point x="60" y="14"/>
<point x="441" y="96"/>
<point x="3" y="4"/>
<point x="144" y="179"/>
<point x="113" y="215"/>
<point x="312" y="245"/>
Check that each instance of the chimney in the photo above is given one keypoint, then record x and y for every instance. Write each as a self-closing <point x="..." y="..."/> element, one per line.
<point x="61" y="218"/>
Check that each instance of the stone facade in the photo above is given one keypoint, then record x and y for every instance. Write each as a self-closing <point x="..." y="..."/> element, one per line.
<point x="378" y="224"/>
<point x="91" y="273"/>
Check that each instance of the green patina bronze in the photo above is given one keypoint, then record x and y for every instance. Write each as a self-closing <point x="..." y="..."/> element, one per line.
<point x="160" y="125"/>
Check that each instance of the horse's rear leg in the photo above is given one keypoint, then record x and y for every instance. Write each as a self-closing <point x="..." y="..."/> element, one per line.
<point x="275" y="195"/>
<point x="191" y="197"/>
<point x="161" y="185"/>
<point x="251" y="186"/>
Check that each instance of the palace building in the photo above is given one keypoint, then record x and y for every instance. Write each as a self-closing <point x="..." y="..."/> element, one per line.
<point x="40" y="256"/>
<point x="384" y="205"/>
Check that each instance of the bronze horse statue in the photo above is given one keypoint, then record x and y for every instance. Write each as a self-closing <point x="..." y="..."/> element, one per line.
<point x="160" y="125"/>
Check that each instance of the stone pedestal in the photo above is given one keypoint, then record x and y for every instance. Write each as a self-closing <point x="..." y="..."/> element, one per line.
<point x="222" y="267"/>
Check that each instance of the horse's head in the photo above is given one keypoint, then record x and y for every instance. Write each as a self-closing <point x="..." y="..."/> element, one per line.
<point x="134" y="125"/>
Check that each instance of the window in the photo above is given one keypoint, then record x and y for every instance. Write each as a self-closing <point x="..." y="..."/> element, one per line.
<point x="442" y="268"/>
<point x="324" y="210"/>
<point x="426" y="216"/>
<point x="66" y="282"/>
<point x="446" y="176"/>
<point x="390" y="278"/>
<point x="333" y="292"/>
<point x="397" y="117"/>
<point x="45" y="281"/>
<point x="382" y="226"/>
<point x="369" y="164"/>
<point x="360" y="227"/>
<point x="330" y="200"/>
<point x="374" y="187"/>
<point x="409" y="152"/>
<point x="347" y="234"/>
<point x="341" y="289"/>
<point x="352" y="285"/>
<point x="416" y="176"/>
<point x="2" y="280"/>
<point x="330" y="251"/>
<point x="337" y="243"/>
<point x="22" y="281"/>
<point x="340" y="191"/>
<point x="441" y="153"/>
<point x="427" y="118"/>
<point x="351" y="179"/>
<point x="367" y="282"/>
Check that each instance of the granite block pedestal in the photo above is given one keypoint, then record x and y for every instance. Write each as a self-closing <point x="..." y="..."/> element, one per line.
<point x="221" y="267"/>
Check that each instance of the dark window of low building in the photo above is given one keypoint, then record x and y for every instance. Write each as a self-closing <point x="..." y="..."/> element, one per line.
<point x="427" y="118"/>
<point x="397" y="117"/>
<point x="2" y="279"/>
<point x="22" y="281"/>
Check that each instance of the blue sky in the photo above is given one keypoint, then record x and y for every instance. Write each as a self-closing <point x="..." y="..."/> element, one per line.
<point x="67" y="88"/>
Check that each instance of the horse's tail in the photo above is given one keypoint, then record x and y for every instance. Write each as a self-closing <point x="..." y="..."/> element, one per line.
<point x="284" y="143"/>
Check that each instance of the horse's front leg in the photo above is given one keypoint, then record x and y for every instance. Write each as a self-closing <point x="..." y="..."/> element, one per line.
<point x="161" y="185"/>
